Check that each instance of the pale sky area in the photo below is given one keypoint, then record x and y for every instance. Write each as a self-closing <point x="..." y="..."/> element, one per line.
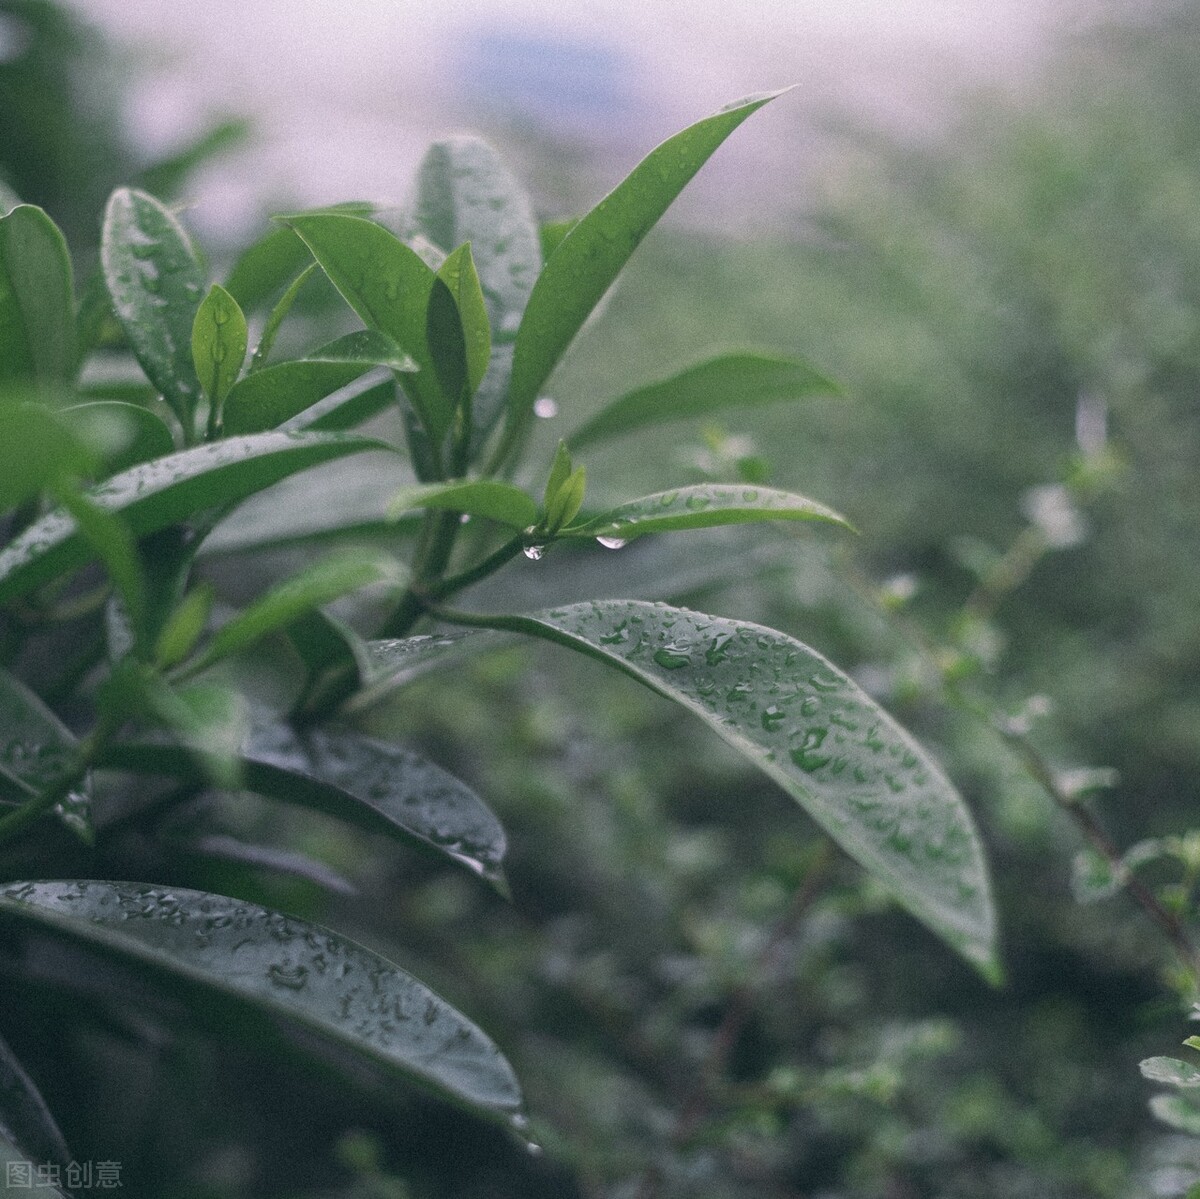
<point x="346" y="93"/>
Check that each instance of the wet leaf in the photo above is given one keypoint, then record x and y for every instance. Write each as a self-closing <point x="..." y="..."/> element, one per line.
<point x="156" y="283"/>
<point x="371" y="785"/>
<point x="818" y="735"/>
<point x="462" y="281"/>
<point x="285" y="967"/>
<point x="1178" y="1112"/>
<point x="703" y="506"/>
<point x="219" y="339"/>
<point x="317" y="584"/>
<point x="166" y="491"/>
<point x="36" y="751"/>
<point x="388" y="285"/>
<point x="488" y="498"/>
<point x="465" y="194"/>
<point x="37" y="300"/>
<point x="589" y="258"/>
<point x="275" y="394"/>
<point x="727" y="382"/>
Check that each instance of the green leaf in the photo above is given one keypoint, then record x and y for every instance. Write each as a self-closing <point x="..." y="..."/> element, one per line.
<point x="23" y="1111"/>
<point x="277" y="315"/>
<point x="1170" y="1070"/>
<point x="465" y="194"/>
<point x="346" y="408"/>
<point x="706" y="389"/>
<point x="560" y="470"/>
<point x="459" y="275"/>
<point x="284" y="967"/>
<point x="166" y="491"/>
<point x="367" y="348"/>
<point x="219" y="339"/>
<point x="488" y="498"/>
<point x="567" y="500"/>
<point x="389" y="286"/>
<point x="590" y="257"/>
<point x="375" y="787"/>
<point x="552" y="233"/>
<point x="267" y="398"/>
<point x="183" y="627"/>
<point x="156" y="283"/>
<point x="389" y="663"/>
<point x="35" y="450"/>
<point x="275" y="260"/>
<point x="320" y="583"/>
<point x="702" y="506"/>
<point x="37" y="300"/>
<point x="113" y="544"/>
<point x="813" y="731"/>
<point x="120" y="434"/>
<point x="37" y="751"/>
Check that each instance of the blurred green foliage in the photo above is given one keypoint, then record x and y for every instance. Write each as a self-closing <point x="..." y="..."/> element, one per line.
<point x="1015" y="315"/>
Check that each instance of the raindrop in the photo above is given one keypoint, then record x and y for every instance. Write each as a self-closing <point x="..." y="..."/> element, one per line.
<point x="672" y="657"/>
<point x="807" y="757"/>
<point x="534" y="553"/>
<point x="696" y="502"/>
<point x="613" y="543"/>
<point x="291" y="977"/>
<point x="718" y="650"/>
<point x="772" y="717"/>
<point x="545" y="408"/>
<point x="464" y="518"/>
<point x="810" y="706"/>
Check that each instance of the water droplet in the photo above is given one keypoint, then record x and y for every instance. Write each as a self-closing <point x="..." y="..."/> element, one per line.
<point x="672" y="657"/>
<point x="823" y="683"/>
<point x="545" y="408"/>
<point x="291" y="977"/>
<point x="619" y="634"/>
<point x="696" y="502"/>
<point x="806" y="756"/>
<point x="772" y="717"/>
<point x="613" y="543"/>
<point x="718" y="649"/>
<point x="810" y="706"/>
<point x="464" y="518"/>
<point x="534" y="553"/>
<point x="750" y="495"/>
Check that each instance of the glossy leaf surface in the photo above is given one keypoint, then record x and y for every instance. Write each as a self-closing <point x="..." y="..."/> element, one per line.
<point x="219" y="339"/>
<point x="706" y="389"/>
<point x="818" y="735"/>
<point x="388" y="285"/>
<point x="588" y="259"/>
<point x="161" y="493"/>
<point x="489" y="498"/>
<point x="1170" y="1070"/>
<point x="466" y="194"/>
<point x="285" y="967"/>
<point x="702" y="506"/>
<point x="276" y="394"/>
<point x="376" y="787"/>
<point x="156" y="283"/>
<point x="37" y="300"/>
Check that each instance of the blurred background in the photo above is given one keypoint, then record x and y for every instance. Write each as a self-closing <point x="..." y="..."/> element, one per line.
<point x="983" y="219"/>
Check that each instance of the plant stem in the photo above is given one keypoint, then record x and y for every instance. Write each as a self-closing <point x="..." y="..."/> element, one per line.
<point x="433" y="554"/>
<point x="486" y="566"/>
